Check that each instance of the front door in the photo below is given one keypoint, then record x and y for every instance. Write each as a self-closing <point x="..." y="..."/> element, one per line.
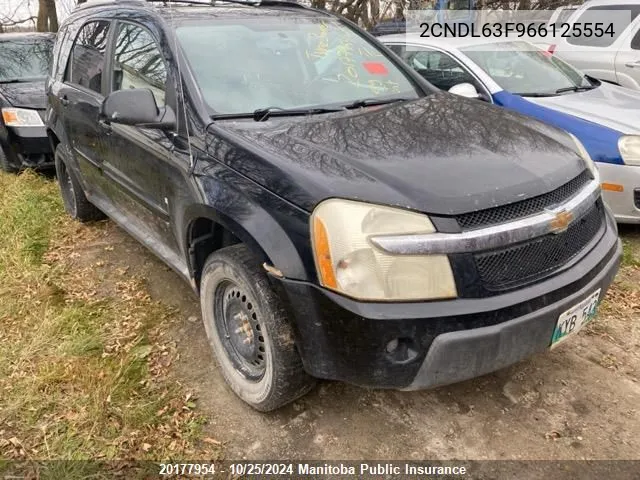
<point x="143" y="165"/>
<point x="628" y="60"/>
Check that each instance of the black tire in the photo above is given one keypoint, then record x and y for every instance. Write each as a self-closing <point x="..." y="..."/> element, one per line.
<point x="233" y="281"/>
<point x="73" y="197"/>
<point x="5" y="164"/>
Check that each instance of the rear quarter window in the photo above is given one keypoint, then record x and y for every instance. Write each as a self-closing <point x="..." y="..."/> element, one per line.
<point x="59" y="54"/>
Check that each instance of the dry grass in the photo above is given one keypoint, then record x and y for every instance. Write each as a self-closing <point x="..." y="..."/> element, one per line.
<point x="83" y="370"/>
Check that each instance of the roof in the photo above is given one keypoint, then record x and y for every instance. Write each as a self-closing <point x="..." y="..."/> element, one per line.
<point x="181" y="9"/>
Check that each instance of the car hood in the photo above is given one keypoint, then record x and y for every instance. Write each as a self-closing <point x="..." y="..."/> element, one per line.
<point x="441" y="154"/>
<point x="609" y="105"/>
<point x="24" y="95"/>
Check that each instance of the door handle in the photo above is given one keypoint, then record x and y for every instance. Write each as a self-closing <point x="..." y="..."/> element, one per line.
<point x="64" y="101"/>
<point x="632" y="64"/>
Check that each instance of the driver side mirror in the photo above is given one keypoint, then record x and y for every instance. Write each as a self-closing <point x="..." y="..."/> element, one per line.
<point x="465" y="90"/>
<point x="137" y="106"/>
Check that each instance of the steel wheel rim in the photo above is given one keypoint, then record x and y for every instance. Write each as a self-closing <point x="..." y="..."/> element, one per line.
<point x="238" y="325"/>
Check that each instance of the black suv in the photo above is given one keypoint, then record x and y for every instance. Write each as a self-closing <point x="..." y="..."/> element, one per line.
<point x="25" y="60"/>
<point x="339" y="217"/>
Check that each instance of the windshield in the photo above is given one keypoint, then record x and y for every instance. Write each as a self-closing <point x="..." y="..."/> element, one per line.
<point x="23" y="60"/>
<point x="286" y="62"/>
<point x="518" y="68"/>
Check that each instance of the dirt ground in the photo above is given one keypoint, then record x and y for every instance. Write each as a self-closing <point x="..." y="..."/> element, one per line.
<point x="580" y="401"/>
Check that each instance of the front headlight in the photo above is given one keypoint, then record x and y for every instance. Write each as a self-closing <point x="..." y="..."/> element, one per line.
<point x="349" y="264"/>
<point x="21" y="117"/>
<point x="629" y="146"/>
<point x="586" y="157"/>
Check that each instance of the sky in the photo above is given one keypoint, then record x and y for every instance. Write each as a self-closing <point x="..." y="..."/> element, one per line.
<point x="20" y="9"/>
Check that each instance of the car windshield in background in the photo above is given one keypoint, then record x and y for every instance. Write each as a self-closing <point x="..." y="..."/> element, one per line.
<point x="564" y="15"/>
<point x="24" y="60"/>
<point x="287" y="63"/>
<point x="518" y="68"/>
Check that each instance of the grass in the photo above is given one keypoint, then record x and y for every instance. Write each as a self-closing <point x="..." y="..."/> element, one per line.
<point x="83" y="371"/>
<point x="629" y="255"/>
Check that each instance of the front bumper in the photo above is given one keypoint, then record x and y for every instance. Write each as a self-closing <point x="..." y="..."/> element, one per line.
<point x="442" y="342"/>
<point x="27" y="146"/>
<point x="625" y="204"/>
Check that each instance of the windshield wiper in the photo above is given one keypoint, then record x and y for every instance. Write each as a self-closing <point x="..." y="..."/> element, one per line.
<point x="370" y="102"/>
<point x="535" y="94"/>
<point x="262" y="114"/>
<point x="13" y="80"/>
<point x="575" y="89"/>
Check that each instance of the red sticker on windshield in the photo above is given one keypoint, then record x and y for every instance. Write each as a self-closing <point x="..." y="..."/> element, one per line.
<point x="375" y="68"/>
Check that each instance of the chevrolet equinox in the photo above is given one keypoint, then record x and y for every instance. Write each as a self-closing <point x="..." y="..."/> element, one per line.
<point x="338" y="216"/>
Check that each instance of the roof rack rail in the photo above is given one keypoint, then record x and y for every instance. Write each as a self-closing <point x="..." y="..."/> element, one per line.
<point x="201" y="3"/>
<point x="213" y="3"/>
<point x="98" y="3"/>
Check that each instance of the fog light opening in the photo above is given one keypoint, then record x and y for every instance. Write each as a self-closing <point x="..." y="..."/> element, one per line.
<point x="401" y="350"/>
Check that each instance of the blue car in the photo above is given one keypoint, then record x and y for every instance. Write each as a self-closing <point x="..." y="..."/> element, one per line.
<point x="605" y="118"/>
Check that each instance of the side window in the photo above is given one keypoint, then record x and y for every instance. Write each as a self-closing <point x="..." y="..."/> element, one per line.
<point x="57" y="58"/>
<point x="88" y="56"/>
<point x="635" y="41"/>
<point x="397" y="49"/>
<point x="439" y="69"/>
<point x="138" y="62"/>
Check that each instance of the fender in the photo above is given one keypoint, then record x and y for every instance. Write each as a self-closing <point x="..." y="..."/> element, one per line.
<point x="241" y="210"/>
<point x="53" y="122"/>
<point x="55" y="131"/>
<point x="601" y="142"/>
<point x="625" y="80"/>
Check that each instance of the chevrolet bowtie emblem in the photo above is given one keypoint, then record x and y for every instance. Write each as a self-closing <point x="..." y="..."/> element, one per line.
<point x="561" y="221"/>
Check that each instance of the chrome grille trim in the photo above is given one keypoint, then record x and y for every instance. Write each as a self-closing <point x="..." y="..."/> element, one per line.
<point x="490" y="237"/>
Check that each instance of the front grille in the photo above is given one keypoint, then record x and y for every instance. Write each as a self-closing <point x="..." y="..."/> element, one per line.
<point x="636" y="197"/>
<point x="527" y="262"/>
<point x="513" y="211"/>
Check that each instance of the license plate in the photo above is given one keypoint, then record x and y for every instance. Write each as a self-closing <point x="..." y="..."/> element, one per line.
<point x="571" y="321"/>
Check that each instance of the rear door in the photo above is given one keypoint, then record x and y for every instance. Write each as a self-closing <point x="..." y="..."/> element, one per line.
<point x="628" y="59"/>
<point x="80" y="97"/>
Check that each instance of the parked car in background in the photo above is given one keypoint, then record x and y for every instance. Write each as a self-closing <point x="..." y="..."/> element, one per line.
<point x="25" y="59"/>
<point x="612" y="58"/>
<point x="338" y="216"/>
<point x="518" y="76"/>
<point x="561" y="14"/>
<point x="444" y="11"/>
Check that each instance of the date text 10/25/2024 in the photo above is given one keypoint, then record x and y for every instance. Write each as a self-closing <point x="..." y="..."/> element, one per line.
<point x="301" y="468"/>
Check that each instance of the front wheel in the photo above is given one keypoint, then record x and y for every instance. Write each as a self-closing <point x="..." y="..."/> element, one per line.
<point x="249" y="332"/>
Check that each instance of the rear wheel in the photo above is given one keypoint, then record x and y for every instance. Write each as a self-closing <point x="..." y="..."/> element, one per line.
<point x="249" y="332"/>
<point x="75" y="202"/>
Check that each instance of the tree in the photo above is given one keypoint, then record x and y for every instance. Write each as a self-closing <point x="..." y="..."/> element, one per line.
<point x="47" y="16"/>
